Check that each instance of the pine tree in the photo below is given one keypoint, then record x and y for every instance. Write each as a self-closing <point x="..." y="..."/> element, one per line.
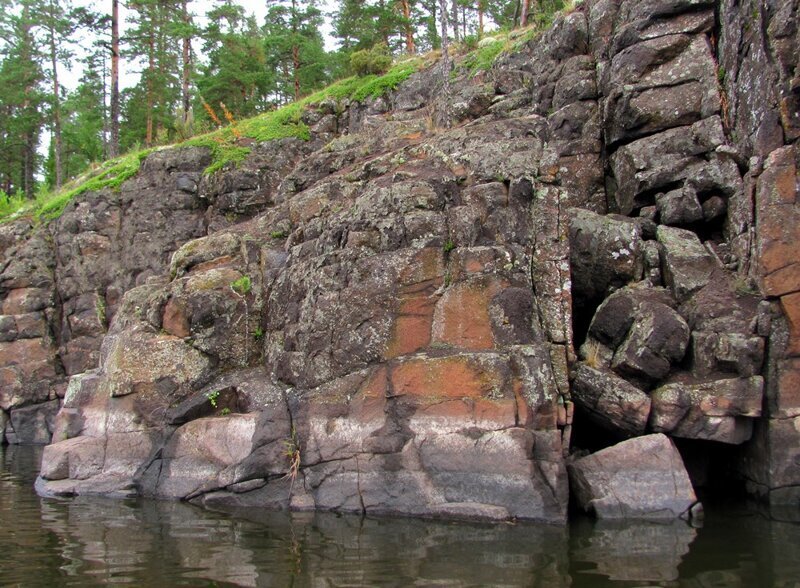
<point x="114" y="114"/>
<point x="84" y="119"/>
<point x="362" y="24"/>
<point x="151" y="41"/>
<point x="21" y="101"/>
<point x="57" y="23"/>
<point x="294" y="47"/>
<point x="235" y="72"/>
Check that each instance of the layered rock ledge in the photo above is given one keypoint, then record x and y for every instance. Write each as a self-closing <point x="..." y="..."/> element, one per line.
<point x="399" y="316"/>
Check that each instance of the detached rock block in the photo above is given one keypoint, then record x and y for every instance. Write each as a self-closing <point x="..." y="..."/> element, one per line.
<point x="611" y="401"/>
<point x="639" y="478"/>
<point x="658" y="162"/>
<point x="687" y="266"/>
<point x="605" y="253"/>
<point x="642" y="331"/>
<point x="717" y="411"/>
<point x="657" y="339"/>
<point x="679" y="207"/>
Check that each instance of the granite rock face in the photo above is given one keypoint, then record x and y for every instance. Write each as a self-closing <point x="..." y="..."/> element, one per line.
<point x="400" y="316"/>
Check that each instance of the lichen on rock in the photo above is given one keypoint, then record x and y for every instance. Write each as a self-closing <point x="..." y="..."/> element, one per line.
<point x="397" y="317"/>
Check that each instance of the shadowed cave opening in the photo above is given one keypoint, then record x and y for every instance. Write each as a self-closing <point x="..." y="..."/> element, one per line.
<point x="583" y="312"/>
<point x="710" y="465"/>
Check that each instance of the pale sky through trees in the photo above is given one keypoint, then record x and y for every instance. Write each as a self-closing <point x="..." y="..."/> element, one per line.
<point x="130" y="71"/>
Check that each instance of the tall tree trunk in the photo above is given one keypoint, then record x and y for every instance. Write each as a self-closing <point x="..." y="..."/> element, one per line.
<point x="523" y="17"/>
<point x="433" y="24"/>
<point x="29" y="166"/>
<point x="57" y="148"/>
<point x="480" y="18"/>
<point x="295" y="53"/>
<point x="410" y="48"/>
<point x="106" y="130"/>
<point x="113" y="144"/>
<point x="445" y="63"/>
<point x="296" y="68"/>
<point x="455" y="21"/>
<point x="187" y="63"/>
<point x="151" y="72"/>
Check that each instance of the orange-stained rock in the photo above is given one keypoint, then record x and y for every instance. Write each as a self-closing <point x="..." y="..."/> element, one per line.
<point x="433" y="379"/>
<point x="791" y="308"/>
<point x="786" y="403"/>
<point x="175" y="321"/>
<point x="375" y="385"/>
<point x="778" y="224"/>
<point x="783" y="281"/>
<point x="412" y="327"/>
<point x="417" y="295"/>
<point x="462" y="315"/>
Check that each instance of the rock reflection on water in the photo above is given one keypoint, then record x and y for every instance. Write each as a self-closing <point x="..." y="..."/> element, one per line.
<point x="640" y="551"/>
<point x="88" y="541"/>
<point x="133" y="540"/>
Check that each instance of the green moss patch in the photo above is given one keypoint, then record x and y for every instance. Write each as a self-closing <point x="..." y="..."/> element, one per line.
<point x="483" y="57"/>
<point x="227" y="145"/>
<point x="47" y="206"/>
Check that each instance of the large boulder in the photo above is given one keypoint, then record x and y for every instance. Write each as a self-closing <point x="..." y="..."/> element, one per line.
<point x="638" y="478"/>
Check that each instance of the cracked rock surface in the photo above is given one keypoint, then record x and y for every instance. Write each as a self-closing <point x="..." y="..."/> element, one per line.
<point x="399" y="317"/>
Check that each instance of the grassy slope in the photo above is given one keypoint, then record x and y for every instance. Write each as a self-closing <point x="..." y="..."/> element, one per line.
<point x="225" y="143"/>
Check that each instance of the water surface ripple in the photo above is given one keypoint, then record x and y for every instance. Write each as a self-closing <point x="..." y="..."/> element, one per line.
<point x="91" y="541"/>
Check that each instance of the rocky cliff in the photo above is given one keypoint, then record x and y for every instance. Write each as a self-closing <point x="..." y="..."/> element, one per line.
<point x="595" y="265"/>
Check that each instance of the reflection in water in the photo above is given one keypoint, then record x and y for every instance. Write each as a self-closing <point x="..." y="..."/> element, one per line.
<point x="92" y="541"/>
<point x="634" y="551"/>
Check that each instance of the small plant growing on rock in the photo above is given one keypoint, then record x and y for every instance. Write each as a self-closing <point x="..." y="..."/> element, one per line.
<point x="258" y="333"/>
<point x="225" y="411"/>
<point x="278" y="234"/>
<point x="242" y="286"/>
<point x="292" y="452"/>
<point x="212" y="398"/>
<point x="449" y="246"/>
<point x="592" y="350"/>
<point x="101" y="309"/>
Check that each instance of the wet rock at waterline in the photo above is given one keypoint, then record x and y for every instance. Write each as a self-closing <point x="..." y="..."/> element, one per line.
<point x="638" y="478"/>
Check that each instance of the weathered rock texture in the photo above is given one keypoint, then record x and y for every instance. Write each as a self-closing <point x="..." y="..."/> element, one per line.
<point x="385" y="318"/>
<point x="638" y="478"/>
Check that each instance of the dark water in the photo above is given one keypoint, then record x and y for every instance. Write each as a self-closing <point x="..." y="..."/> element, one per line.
<point x="84" y="542"/>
